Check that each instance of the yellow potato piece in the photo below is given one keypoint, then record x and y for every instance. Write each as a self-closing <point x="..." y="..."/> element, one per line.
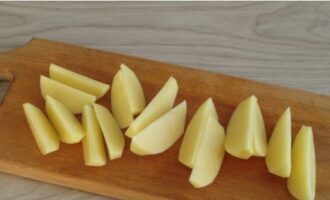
<point x="93" y="145"/>
<point x="210" y="154"/>
<point x="120" y="102"/>
<point x="240" y="130"/>
<point x="260" y="138"/>
<point x="159" y="105"/>
<point x="78" y="81"/>
<point x="72" y="98"/>
<point x="43" y="132"/>
<point x="246" y="134"/>
<point x="114" y="138"/>
<point x="67" y="126"/>
<point x="195" y="131"/>
<point x="162" y="133"/>
<point x="134" y="90"/>
<point x="127" y="97"/>
<point x="301" y="183"/>
<point x="278" y="158"/>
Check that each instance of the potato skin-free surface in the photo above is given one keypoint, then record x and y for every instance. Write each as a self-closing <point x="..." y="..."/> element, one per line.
<point x="133" y="89"/>
<point x="120" y="101"/>
<point x="159" y="105"/>
<point x="278" y="158"/>
<point x="72" y="98"/>
<point x="246" y="134"/>
<point x="302" y="180"/>
<point x="113" y="136"/>
<point x="210" y="154"/>
<point x="93" y="144"/>
<point x="66" y="124"/>
<point x="78" y="81"/>
<point x="195" y="131"/>
<point x="43" y="132"/>
<point x="162" y="133"/>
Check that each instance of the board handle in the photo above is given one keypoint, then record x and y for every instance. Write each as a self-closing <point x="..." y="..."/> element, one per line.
<point x="6" y="79"/>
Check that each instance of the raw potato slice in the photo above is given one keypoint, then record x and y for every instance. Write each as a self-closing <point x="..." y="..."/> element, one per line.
<point x="210" y="155"/>
<point x="127" y="97"/>
<point x="260" y="138"/>
<point x="162" y="133"/>
<point x="301" y="183"/>
<point x="278" y="158"/>
<point x="72" y="98"/>
<point x="114" y="138"/>
<point x="195" y="131"/>
<point x="246" y="135"/>
<point x="134" y="90"/>
<point x="240" y="130"/>
<point x="78" y="81"/>
<point x="93" y="145"/>
<point x="159" y="105"/>
<point x="119" y="101"/>
<point x="43" y="132"/>
<point x="67" y="126"/>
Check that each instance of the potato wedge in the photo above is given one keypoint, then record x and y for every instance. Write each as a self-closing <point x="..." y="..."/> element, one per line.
<point x="278" y="158"/>
<point x="302" y="180"/>
<point x="195" y="131"/>
<point x="246" y="132"/>
<point x="67" y="126"/>
<point x="134" y="90"/>
<point x="78" y="81"/>
<point x="93" y="145"/>
<point x="210" y="154"/>
<point x="162" y="133"/>
<point x="72" y="98"/>
<point x="114" y="137"/>
<point x="127" y="97"/>
<point x="159" y="105"/>
<point x="43" y="132"/>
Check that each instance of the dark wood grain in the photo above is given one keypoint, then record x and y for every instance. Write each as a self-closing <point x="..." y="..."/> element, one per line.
<point x="285" y="43"/>
<point x="160" y="176"/>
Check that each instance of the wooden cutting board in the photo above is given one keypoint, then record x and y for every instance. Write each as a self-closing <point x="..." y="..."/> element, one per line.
<point x="160" y="176"/>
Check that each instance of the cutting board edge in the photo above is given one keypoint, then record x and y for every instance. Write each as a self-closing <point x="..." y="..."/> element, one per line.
<point x="36" y="174"/>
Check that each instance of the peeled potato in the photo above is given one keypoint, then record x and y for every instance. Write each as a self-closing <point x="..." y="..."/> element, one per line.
<point x="120" y="102"/>
<point x="43" y="132"/>
<point x="162" y="133"/>
<point x="159" y="105"/>
<point x="133" y="89"/>
<point x="240" y="130"/>
<point x="260" y="138"/>
<point x="78" y="81"/>
<point x="72" y="98"/>
<point x="210" y="154"/>
<point x="114" y="138"/>
<point x="278" y="158"/>
<point x="195" y="131"/>
<point x="127" y="97"/>
<point x="67" y="126"/>
<point x="301" y="183"/>
<point x="246" y="133"/>
<point x="93" y="145"/>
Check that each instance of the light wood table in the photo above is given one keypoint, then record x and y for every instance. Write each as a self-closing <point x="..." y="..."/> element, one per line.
<point x="285" y="43"/>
